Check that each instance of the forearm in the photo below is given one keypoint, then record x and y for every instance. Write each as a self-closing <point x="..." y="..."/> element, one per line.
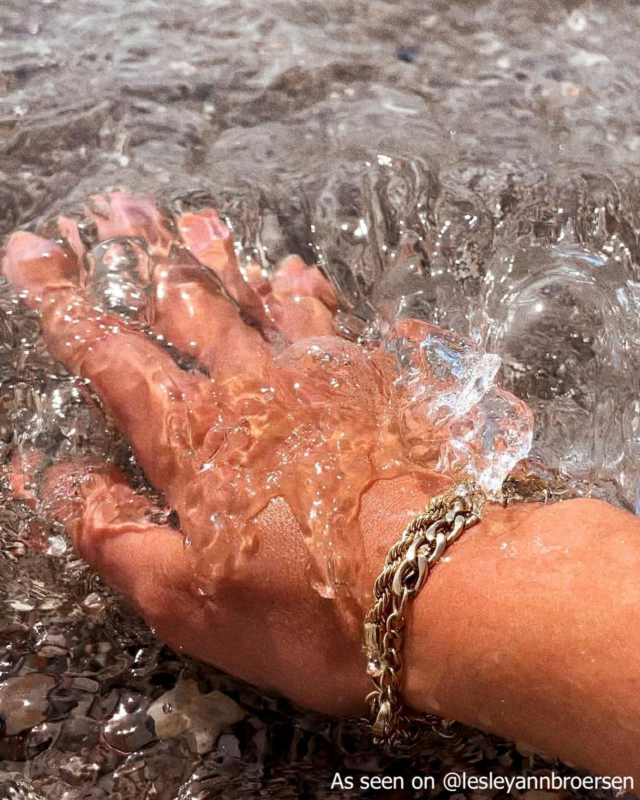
<point x="530" y="628"/>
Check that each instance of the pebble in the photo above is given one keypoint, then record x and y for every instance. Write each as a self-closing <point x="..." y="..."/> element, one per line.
<point x="23" y="701"/>
<point x="129" y="728"/>
<point x="228" y="746"/>
<point x="85" y="684"/>
<point x="197" y="718"/>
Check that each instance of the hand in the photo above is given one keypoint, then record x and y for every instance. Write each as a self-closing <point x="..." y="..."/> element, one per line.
<point x="276" y="452"/>
<point x="291" y="460"/>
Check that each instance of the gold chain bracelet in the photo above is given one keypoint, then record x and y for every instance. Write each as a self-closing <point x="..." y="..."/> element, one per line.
<point x="406" y="568"/>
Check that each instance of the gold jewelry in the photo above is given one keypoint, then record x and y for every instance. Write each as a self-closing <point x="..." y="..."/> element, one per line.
<point x="405" y="571"/>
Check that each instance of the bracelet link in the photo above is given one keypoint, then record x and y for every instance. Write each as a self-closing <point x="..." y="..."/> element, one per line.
<point x="379" y="727"/>
<point x="411" y="573"/>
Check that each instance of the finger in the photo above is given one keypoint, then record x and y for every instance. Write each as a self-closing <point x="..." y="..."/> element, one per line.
<point x="37" y="267"/>
<point x="298" y="302"/>
<point x="210" y="241"/>
<point x="191" y="313"/>
<point x="294" y="277"/>
<point x="302" y="300"/>
<point x="113" y="529"/>
<point x="163" y="411"/>
<point x="69" y="230"/>
<point x="119" y="214"/>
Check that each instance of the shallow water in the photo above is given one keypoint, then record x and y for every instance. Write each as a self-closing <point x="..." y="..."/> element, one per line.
<point x="472" y="164"/>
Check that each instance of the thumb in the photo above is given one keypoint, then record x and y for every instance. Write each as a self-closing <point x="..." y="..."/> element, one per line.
<point x="115" y="531"/>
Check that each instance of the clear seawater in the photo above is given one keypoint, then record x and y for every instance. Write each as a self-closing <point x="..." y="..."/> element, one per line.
<point x="471" y="163"/>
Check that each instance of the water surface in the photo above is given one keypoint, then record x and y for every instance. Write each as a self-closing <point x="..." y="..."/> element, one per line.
<point x="471" y="163"/>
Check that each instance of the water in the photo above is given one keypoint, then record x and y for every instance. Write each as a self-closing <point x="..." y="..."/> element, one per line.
<point x="471" y="164"/>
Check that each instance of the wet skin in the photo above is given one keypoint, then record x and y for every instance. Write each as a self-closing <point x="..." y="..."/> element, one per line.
<point x="264" y="451"/>
<point x="291" y="481"/>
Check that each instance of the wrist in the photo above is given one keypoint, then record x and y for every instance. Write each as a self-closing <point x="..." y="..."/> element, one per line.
<point x="461" y="614"/>
<point x="529" y="629"/>
<point x="385" y="510"/>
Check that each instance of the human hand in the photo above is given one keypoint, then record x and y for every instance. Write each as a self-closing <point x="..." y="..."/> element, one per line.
<point x="278" y="453"/>
<point x="293" y="459"/>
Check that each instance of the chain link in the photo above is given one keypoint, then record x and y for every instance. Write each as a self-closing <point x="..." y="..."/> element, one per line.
<point x="424" y="541"/>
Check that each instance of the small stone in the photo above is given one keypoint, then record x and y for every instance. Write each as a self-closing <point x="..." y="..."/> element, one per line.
<point x="228" y="746"/>
<point x="129" y="728"/>
<point x="22" y="605"/>
<point x="23" y="701"/>
<point x="94" y="603"/>
<point x="57" y="546"/>
<point x="75" y="771"/>
<point x="407" y="53"/>
<point x="50" y="604"/>
<point x="197" y="718"/>
<point x="51" y="651"/>
<point x="85" y="684"/>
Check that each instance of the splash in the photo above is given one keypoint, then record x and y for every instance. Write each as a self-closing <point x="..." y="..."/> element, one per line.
<point x="283" y="407"/>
